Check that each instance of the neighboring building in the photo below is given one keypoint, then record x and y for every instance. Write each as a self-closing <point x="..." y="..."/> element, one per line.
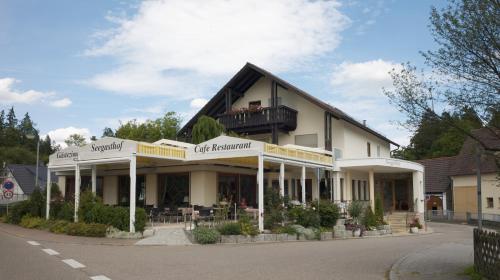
<point x="293" y="142"/>
<point x="464" y="179"/>
<point x="451" y="182"/>
<point x="438" y="191"/>
<point x="23" y="178"/>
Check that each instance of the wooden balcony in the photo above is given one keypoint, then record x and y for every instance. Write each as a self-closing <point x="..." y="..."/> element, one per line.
<point x="260" y="120"/>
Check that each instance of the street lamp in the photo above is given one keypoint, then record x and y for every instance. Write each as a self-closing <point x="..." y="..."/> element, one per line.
<point x="31" y="137"/>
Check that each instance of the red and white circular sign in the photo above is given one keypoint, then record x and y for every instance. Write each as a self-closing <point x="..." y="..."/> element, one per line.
<point x="8" y="194"/>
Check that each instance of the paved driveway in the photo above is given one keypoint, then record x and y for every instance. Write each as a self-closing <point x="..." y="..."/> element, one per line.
<point x="366" y="258"/>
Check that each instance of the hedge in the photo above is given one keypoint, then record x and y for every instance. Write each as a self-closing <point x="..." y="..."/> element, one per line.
<point x="83" y="229"/>
<point x="205" y="235"/>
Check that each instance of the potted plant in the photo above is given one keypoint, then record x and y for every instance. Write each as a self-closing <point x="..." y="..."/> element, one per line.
<point x="354" y="210"/>
<point x="415" y="225"/>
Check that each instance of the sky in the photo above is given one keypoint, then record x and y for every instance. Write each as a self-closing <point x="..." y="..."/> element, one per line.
<point x="80" y="66"/>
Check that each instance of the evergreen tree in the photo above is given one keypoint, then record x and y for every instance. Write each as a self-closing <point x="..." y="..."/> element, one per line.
<point x="2" y="126"/>
<point x="11" y="133"/>
<point x="26" y="131"/>
<point x="108" y="132"/>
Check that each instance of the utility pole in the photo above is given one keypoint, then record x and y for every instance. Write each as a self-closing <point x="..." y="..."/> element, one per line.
<point x="479" y="197"/>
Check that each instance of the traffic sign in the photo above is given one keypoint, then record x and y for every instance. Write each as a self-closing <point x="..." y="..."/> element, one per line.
<point x="8" y="194"/>
<point x="8" y="185"/>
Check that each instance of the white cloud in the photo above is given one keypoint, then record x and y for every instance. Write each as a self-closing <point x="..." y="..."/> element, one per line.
<point x="61" y="103"/>
<point x="357" y="90"/>
<point x="9" y="95"/>
<point x="198" y="103"/>
<point x="363" y="78"/>
<point x="168" y="42"/>
<point x="60" y="134"/>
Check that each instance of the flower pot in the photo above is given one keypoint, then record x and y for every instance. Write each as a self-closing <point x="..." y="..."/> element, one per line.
<point x="356" y="232"/>
<point x="414" y="229"/>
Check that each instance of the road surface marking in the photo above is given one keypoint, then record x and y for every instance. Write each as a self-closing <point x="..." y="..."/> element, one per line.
<point x="99" y="277"/>
<point x="73" y="263"/>
<point x="50" y="252"/>
<point x="34" y="243"/>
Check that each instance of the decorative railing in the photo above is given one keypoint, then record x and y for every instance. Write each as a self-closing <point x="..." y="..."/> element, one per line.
<point x="298" y="154"/>
<point x="487" y="253"/>
<point x="283" y="116"/>
<point x="161" y="151"/>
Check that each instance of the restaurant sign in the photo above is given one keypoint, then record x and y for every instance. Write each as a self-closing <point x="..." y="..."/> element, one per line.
<point x="225" y="146"/>
<point x="64" y="157"/>
<point x="108" y="147"/>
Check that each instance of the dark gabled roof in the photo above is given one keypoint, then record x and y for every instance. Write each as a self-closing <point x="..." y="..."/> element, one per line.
<point x="437" y="170"/>
<point x="465" y="163"/>
<point x="250" y="74"/>
<point x="25" y="176"/>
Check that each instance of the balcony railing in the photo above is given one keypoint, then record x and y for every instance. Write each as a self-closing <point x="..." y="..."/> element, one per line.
<point x="260" y="120"/>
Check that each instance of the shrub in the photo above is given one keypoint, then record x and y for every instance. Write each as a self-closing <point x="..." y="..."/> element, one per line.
<point x="355" y="209"/>
<point x="273" y="207"/>
<point x="329" y="213"/>
<point x="286" y="229"/>
<point x="230" y="229"/>
<point x="83" y="229"/>
<point x="306" y="217"/>
<point x="28" y="221"/>
<point x="66" y="212"/>
<point x="59" y="226"/>
<point x="369" y="218"/>
<point x="416" y="223"/>
<point x="17" y="211"/>
<point x="36" y="203"/>
<point x="87" y="201"/>
<point x="379" y="210"/>
<point x="140" y="219"/>
<point x="205" y="235"/>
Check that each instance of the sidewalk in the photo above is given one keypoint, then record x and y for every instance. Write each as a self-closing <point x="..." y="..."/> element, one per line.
<point x="41" y="235"/>
<point x="445" y="261"/>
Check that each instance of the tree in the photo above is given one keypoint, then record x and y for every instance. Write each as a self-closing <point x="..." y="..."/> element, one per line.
<point x="465" y="67"/>
<point x="76" y="140"/>
<point x="11" y="133"/>
<point x="205" y="129"/>
<point x="468" y="35"/>
<point x="27" y="130"/>
<point x="108" y="132"/>
<point x="2" y="126"/>
<point x="151" y="130"/>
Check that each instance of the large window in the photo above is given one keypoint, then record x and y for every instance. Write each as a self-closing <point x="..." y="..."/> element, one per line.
<point x="489" y="202"/>
<point x="237" y="188"/>
<point x="124" y="190"/>
<point x="173" y="190"/>
<point x="87" y="185"/>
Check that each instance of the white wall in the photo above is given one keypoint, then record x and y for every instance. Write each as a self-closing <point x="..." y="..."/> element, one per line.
<point x="355" y="142"/>
<point x="490" y="187"/>
<point x="203" y="188"/>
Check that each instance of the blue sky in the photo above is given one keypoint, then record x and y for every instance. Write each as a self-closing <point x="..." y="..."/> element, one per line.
<point x="79" y="66"/>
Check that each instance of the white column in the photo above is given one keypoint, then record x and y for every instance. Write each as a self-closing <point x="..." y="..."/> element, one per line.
<point x="318" y="181"/>
<point x="94" y="179"/>
<point x="260" y="184"/>
<point x="371" y="178"/>
<point x="282" y="179"/>
<point x="49" y="184"/>
<point x="132" y="192"/>
<point x="444" y="203"/>
<point x="303" y="184"/>
<point x="336" y="186"/>
<point x="77" y="191"/>
<point x="418" y="191"/>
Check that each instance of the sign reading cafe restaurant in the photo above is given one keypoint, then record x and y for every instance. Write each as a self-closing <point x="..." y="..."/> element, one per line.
<point x="217" y="147"/>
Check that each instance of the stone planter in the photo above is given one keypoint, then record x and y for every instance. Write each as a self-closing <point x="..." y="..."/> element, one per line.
<point x="326" y="235"/>
<point x="265" y="237"/>
<point x="356" y="232"/>
<point x="280" y="237"/>
<point x="374" y="232"/>
<point x="414" y="230"/>
<point x="229" y="239"/>
<point x="339" y="231"/>
<point x="245" y="239"/>
<point x="291" y="237"/>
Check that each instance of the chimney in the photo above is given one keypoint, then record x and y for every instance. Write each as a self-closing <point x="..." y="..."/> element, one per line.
<point x="364" y="122"/>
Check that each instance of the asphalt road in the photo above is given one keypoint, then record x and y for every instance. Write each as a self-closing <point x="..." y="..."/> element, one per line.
<point x="366" y="258"/>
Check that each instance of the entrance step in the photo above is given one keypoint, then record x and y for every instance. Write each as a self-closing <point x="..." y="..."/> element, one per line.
<point x="398" y="221"/>
<point x="166" y="236"/>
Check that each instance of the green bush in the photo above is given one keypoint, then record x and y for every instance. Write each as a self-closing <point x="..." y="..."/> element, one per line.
<point x="17" y="211"/>
<point x="58" y="226"/>
<point x="273" y="207"/>
<point x="28" y="221"/>
<point x="205" y="235"/>
<point x="286" y="229"/>
<point x="37" y="203"/>
<point x="66" y="212"/>
<point x="230" y="229"/>
<point x="83" y="229"/>
<point x="87" y="201"/>
<point x="329" y="213"/>
<point x="140" y="219"/>
<point x="306" y="217"/>
<point x="355" y="209"/>
<point x="369" y="219"/>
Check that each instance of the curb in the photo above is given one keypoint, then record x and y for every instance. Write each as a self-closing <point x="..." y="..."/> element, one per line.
<point x="394" y="272"/>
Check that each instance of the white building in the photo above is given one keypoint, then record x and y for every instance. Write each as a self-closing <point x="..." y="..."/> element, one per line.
<point x="294" y="142"/>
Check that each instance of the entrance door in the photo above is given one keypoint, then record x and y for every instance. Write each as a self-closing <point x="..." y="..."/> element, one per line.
<point x="402" y="195"/>
<point x="388" y="195"/>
